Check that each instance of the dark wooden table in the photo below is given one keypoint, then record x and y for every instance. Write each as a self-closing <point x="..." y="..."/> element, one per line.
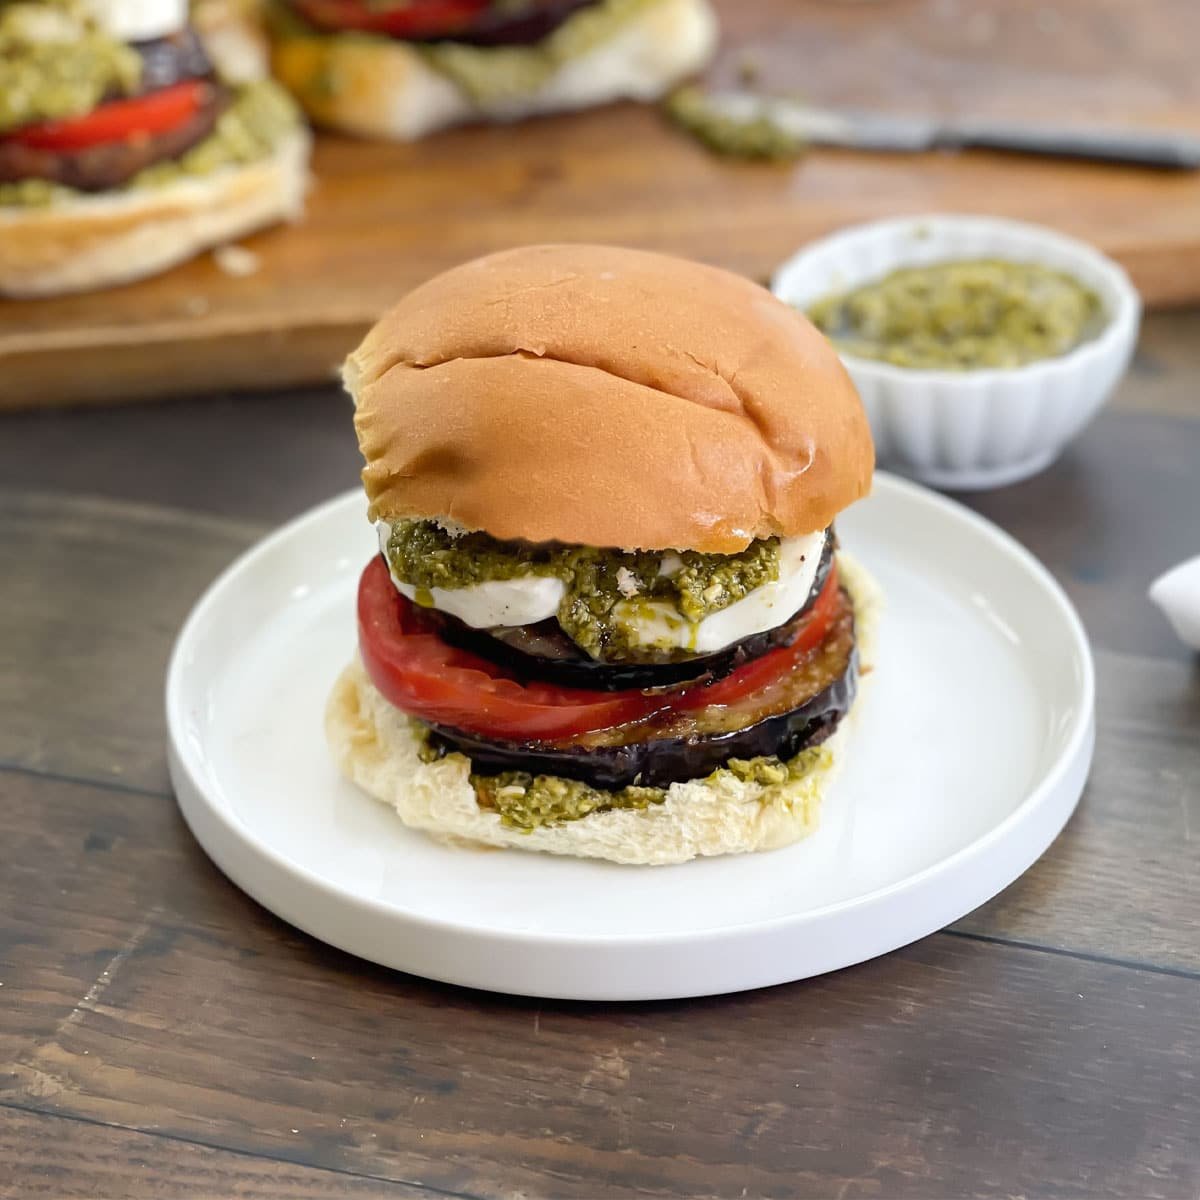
<point x="162" y="1036"/>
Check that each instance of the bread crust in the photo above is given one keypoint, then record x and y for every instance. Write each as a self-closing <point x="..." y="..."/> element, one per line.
<point x="111" y="238"/>
<point x="385" y="90"/>
<point x="606" y="397"/>
<point x="376" y="746"/>
<point x="233" y="35"/>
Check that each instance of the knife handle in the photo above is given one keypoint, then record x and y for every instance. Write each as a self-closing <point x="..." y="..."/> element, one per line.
<point x="1145" y="147"/>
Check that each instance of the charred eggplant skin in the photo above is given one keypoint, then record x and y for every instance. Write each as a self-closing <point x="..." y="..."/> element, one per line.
<point x="662" y="761"/>
<point x="569" y="666"/>
<point x="171" y="59"/>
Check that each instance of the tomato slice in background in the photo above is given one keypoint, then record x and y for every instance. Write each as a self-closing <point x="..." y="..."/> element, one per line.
<point x="421" y="674"/>
<point x="764" y="670"/>
<point x="117" y="120"/>
<point x="418" y="18"/>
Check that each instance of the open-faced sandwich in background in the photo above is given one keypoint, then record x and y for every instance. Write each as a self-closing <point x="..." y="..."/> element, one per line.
<point x="122" y="152"/>
<point x="609" y="616"/>
<point x="401" y="68"/>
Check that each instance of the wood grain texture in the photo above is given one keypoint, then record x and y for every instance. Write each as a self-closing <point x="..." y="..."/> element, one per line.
<point x="100" y="589"/>
<point x="56" y="1158"/>
<point x="1164" y="370"/>
<point x="385" y="217"/>
<point x="267" y="456"/>
<point x="257" y="457"/>
<point x="143" y="990"/>
<point x="1123" y="880"/>
<point x="161" y="1035"/>
<point x="1117" y="510"/>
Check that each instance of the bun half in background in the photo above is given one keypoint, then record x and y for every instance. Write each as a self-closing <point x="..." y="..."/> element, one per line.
<point x="146" y="160"/>
<point x="609" y="617"/>
<point x="234" y="36"/>
<point x="563" y="55"/>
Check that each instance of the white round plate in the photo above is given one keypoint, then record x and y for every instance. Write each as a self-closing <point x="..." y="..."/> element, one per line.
<point x="968" y="754"/>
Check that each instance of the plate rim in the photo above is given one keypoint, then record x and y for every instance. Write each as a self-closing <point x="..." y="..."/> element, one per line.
<point x="185" y="779"/>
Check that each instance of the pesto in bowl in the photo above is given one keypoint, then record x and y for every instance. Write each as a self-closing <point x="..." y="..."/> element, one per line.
<point x="962" y="315"/>
<point x="990" y="391"/>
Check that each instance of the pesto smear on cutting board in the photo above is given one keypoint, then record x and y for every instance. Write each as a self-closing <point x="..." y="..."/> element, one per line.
<point x="753" y="137"/>
<point x="962" y="315"/>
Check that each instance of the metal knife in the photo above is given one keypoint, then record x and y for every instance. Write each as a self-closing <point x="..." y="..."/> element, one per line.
<point x="884" y="131"/>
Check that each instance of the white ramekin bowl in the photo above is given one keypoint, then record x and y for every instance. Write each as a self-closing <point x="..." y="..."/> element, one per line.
<point x="972" y="429"/>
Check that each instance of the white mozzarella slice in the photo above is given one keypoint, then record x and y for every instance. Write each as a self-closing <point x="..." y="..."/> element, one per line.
<point x="657" y="623"/>
<point x="495" y="602"/>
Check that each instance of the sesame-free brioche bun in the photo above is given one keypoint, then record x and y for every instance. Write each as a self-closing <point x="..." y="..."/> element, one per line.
<point x="386" y="90"/>
<point x="606" y="397"/>
<point x="98" y="241"/>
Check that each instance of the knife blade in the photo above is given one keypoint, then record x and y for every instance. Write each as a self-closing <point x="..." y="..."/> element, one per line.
<point x="1164" y="148"/>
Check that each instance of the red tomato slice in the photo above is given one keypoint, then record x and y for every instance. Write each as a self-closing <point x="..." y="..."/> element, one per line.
<point x="156" y="112"/>
<point x="761" y="671"/>
<point x="419" y="673"/>
<point x="418" y="18"/>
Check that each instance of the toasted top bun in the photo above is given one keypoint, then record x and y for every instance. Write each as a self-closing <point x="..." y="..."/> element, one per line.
<point x="606" y="397"/>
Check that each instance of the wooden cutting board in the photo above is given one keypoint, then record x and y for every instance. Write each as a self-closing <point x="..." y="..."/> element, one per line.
<point x="382" y="218"/>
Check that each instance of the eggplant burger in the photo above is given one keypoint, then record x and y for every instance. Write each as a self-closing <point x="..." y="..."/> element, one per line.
<point x="608" y="616"/>
<point x="398" y="69"/>
<point x="122" y="152"/>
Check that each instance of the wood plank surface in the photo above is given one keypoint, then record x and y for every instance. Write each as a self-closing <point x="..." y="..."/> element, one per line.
<point x="1096" y="520"/>
<point x="1123" y="879"/>
<point x="100" y="588"/>
<point x="57" y="1158"/>
<point x="162" y="1035"/>
<point x="384" y="217"/>
<point x="142" y="990"/>
<point x="1138" y="829"/>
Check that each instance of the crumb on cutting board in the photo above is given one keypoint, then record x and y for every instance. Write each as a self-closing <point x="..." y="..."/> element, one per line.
<point x="237" y="261"/>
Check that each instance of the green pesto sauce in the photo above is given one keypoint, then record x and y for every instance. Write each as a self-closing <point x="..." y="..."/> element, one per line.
<point x="758" y="137"/>
<point x="962" y="315"/>
<point x="604" y="589"/>
<point x="251" y="128"/>
<point x="64" y="76"/>
<point x="527" y="802"/>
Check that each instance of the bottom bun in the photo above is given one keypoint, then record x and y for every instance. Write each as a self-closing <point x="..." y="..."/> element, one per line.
<point x="101" y="240"/>
<point x="385" y="89"/>
<point x="378" y="748"/>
